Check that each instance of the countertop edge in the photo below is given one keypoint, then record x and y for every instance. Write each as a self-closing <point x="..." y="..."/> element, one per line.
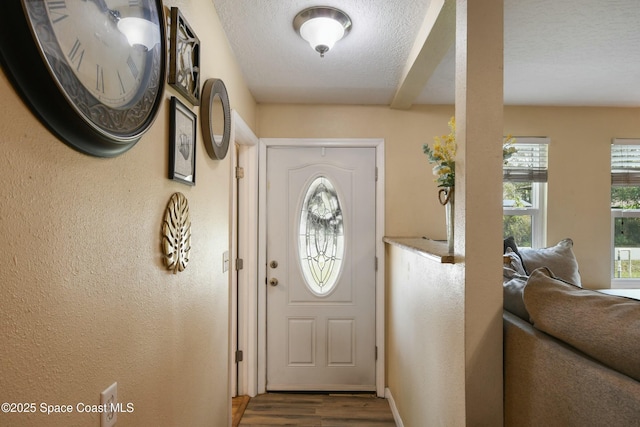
<point x="432" y="249"/>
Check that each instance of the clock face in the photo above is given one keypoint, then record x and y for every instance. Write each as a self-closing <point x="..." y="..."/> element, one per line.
<point x="103" y="59"/>
<point x="88" y="36"/>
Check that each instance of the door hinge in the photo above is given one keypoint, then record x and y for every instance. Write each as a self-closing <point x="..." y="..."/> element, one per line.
<point x="239" y="264"/>
<point x="376" y="174"/>
<point x="376" y="352"/>
<point x="238" y="356"/>
<point x="376" y="263"/>
<point x="239" y="172"/>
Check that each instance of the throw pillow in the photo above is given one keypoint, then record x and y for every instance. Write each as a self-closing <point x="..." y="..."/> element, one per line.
<point x="510" y="242"/>
<point x="559" y="258"/>
<point x="514" y="267"/>
<point x="605" y="327"/>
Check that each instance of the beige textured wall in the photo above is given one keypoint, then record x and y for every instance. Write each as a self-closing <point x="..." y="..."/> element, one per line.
<point x="425" y="339"/>
<point x="86" y="300"/>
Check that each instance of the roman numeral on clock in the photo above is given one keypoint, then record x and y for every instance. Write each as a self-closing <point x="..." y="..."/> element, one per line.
<point x="76" y="54"/>
<point x="56" y="10"/>
<point x="99" y="78"/>
<point x="122" y="89"/>
<point x="132" y="67"/>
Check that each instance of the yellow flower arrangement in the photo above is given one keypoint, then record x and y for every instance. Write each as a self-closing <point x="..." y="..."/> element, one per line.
<point x="444" y="152"/>
<point x="443" y="155"/>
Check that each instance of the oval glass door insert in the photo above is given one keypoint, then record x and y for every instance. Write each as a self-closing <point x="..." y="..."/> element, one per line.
<point x="321" y="236"/>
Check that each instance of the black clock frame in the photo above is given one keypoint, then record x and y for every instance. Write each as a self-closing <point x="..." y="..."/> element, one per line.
<point x="25" y="66"/>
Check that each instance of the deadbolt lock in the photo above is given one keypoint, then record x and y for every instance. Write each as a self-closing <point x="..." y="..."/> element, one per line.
<point x="273" y="264"/>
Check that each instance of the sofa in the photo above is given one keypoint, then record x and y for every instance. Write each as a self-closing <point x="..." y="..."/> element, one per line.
<point x="571" y="355"/>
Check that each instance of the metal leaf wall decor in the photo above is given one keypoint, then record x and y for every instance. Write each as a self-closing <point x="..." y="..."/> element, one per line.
<point x="176" y="233"/>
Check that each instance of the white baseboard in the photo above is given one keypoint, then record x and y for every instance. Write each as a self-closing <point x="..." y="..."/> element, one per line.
<point x="394" y="408"/>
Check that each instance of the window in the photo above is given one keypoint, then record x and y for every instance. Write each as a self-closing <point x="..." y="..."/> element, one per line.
<point x="524" y="192"/>
<point x="625" y="212"/>
<point x="321" y="236"/>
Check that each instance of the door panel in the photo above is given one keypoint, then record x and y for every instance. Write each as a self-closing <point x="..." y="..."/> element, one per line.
<point x="321" y="212"/>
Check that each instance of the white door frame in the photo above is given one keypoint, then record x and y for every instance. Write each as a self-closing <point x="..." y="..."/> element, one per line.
<point x="260" y="298"/>
<point x="243" y="235"/>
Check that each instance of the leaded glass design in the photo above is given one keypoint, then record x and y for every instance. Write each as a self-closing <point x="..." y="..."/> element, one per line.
<point x="321" y="238"/>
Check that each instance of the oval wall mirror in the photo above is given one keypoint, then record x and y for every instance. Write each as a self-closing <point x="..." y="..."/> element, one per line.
<point x="216" y="118"/>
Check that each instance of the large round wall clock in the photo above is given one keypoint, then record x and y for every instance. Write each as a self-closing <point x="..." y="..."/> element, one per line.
<point x="93" y="71"/>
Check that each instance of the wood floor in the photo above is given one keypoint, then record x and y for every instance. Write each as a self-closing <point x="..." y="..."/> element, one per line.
<point x="238" y="406"/>
<point x="335" y="410"/>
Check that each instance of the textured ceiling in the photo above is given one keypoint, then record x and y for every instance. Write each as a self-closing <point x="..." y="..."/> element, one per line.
<point x="579" y="52"/>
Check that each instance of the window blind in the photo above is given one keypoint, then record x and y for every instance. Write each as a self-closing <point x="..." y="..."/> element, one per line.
<point x="625" y="162"/>
<point x="529" y="163"/>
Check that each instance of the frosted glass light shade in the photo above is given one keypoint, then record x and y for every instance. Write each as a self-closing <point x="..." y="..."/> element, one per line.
<point x="322" y="33"/>
<point x="139" y="31"/>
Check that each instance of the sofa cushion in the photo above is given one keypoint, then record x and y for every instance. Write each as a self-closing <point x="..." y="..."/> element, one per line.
<point x="512" y="292"/>
<point x="559" y="258"/>
<point x="605" y="327"/>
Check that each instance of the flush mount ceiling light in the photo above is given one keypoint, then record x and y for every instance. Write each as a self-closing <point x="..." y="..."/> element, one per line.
<point x="322" y="27"/>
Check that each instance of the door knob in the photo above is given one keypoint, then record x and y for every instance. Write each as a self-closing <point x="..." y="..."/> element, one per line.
<point x="273" y="281"/>
<point x="273" y="264"/>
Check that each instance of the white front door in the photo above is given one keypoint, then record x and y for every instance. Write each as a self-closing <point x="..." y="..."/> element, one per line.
<point x="321" y="262"/>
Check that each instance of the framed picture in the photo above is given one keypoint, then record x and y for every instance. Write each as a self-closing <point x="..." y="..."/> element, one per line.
<point x="184" y="58"/>
<point x="182" y="147"/>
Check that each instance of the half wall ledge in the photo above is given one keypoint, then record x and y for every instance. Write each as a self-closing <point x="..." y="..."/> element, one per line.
<point x="435" y="250"/>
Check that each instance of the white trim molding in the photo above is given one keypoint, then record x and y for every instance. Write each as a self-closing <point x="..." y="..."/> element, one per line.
<point x="394" y="408"/>
<point x="244" y="234"/>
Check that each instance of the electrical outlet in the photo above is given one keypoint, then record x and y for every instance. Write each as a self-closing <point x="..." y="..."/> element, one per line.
<point x="108" y="400"/>
<point x="225" y="261"/>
